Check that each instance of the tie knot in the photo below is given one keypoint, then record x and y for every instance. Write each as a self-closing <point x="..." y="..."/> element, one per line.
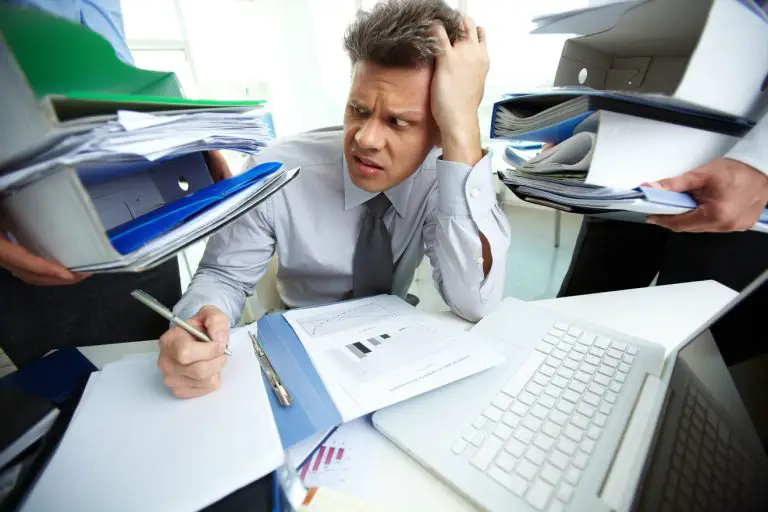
<point x="378" y="205"/>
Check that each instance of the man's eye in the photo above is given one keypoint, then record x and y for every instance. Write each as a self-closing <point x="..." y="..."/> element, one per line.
<point x="357" y="110"/>
<point x="398" y="122"/>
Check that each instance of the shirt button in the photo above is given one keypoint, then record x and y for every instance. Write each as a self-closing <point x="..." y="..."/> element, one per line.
<point x="480" y="260"/>
<point x="474" y="192"/>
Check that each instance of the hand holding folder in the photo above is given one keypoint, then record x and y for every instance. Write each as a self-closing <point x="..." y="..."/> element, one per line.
<point x="731" y="196"/>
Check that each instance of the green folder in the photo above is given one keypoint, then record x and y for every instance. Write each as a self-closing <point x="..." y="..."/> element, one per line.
<point x="59" y="77"/>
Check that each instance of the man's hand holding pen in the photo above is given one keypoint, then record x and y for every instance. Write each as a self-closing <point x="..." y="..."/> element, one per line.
<point x="191" y="368"/>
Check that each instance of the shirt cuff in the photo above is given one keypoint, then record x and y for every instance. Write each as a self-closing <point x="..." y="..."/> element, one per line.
<point x="463" y="190"/>
<point x="753" y="148"/>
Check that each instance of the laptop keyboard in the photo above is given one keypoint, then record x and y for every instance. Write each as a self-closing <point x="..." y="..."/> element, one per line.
<point x="537" y="435"/>
<point x="709" y="469"/>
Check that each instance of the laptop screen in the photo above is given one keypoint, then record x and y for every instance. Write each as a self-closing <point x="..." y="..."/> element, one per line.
<point x="708" y="454"/>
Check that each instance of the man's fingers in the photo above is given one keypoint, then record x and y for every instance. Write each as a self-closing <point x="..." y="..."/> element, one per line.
<point x="215" y="323"/>
<point x="42" y="280"/>
<point x="691" y="180"/>
<point x="184" y="349"/>
<point x="481" y="37"/>
<point x="17" y="258"/>
<point x="217" y="165"/>
<point x="190" y="392"/>
<point x="471" y="27"/>
<point x="442" y="36"/>
<point x="696" y="221"/>
<point x="199" y="371"/>
<point x="182" y="381"/>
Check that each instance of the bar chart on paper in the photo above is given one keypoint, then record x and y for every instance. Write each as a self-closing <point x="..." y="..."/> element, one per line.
<point x="329" y="466"/>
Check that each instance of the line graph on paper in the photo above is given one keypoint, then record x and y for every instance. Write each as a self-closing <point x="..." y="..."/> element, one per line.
<point x="331" y="322"/>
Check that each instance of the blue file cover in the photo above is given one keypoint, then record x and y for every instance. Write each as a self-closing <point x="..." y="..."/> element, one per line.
<point x="54" y="377"/>
<point x="130" y="236"/>
<point x="312" y="410"/>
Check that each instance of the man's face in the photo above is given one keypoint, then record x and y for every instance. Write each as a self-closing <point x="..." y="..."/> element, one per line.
<point x="388" y="124"/>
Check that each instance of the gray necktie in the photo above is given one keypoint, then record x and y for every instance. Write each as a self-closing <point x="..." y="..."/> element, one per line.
<point x="373" y="267"/>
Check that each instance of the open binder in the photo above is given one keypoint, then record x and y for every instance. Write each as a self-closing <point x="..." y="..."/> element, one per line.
<point x="73" y="190"/>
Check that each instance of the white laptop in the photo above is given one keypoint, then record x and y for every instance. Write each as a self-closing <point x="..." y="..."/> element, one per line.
<point x="580" y="417"/>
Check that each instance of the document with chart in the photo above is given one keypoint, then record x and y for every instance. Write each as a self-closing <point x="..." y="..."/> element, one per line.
<point x="374" y="352"/>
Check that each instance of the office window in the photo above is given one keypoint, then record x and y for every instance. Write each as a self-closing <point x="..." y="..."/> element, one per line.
<point x="168" y="60"/>
<point x="151" y="19"/>
<point x="520" y="60"/>
<point x="290" y="52"/>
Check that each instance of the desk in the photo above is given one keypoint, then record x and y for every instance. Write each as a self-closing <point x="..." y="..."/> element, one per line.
<point x="664" y="314"/>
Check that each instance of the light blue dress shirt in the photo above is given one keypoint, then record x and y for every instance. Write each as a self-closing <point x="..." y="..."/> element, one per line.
<point x="312" y="226"/>
<point x="104" y="17"/>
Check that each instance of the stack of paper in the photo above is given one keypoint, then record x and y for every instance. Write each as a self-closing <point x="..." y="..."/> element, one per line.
<point x="578" y="197"/>
<point x="146" y="137"/>
<point x="132" y="446"/>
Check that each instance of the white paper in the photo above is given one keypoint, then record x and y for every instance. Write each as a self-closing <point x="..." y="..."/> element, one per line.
<point x="132" y="446"/>
<point x="374" y="352"/>
<point x="141" y="136"/>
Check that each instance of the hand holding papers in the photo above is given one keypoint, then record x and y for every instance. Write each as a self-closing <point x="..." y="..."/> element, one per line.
<point x="136" y="186"/>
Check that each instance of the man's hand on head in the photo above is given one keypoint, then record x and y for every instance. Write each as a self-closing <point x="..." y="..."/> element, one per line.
<point x="730" y="194"/>
<point x="458" y="84"/>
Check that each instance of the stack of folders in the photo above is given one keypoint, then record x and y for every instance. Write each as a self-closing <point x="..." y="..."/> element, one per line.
<point x="131" y="443"/>
<point x="103" y="166"/>
<point x="553" y="115"/>
<point x="570" y="118"/>
<point x="146" y="176"/>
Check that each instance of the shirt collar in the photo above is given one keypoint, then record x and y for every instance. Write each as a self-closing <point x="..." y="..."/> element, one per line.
<point x="397" y="195"/>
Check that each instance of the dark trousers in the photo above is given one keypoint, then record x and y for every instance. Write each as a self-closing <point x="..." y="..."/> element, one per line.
<point x="613" y="255"/>
<point x="98" y="310"/>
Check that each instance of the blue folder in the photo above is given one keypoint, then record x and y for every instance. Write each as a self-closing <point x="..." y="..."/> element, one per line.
<point x="55" y="376"/>
<point x="681" y="199"/>
<point x="312" y="410"/>
<point x="131" y="235"/>
<point x="584" y="101"/>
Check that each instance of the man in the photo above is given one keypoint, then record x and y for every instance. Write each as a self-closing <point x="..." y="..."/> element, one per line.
<point x="705" y="243"/>
<point x="418" y="76"/>
<point x="40" y="314"/>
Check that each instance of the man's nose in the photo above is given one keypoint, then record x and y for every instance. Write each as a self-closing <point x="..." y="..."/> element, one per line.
<point x="370" y="135"/>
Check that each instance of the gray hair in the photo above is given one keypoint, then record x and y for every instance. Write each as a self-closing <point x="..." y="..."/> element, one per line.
<point x="399" y="33"/>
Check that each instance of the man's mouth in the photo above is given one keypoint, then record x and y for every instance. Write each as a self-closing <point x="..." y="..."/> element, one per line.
<point x="366" y="166"/>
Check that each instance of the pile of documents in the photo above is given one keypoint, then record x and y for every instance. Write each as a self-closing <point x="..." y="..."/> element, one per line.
<point x="571" y="119"/>
<point x="103" y="165"/>
<point x="140" y="137"/>
<point x="634" y="101"/>
<point x="130" y="442"/>
<point x="145" y="175"/>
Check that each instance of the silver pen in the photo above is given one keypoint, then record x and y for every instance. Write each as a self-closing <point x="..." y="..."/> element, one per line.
<point x="163" y="311"/>
<point x="274" y="380"/>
